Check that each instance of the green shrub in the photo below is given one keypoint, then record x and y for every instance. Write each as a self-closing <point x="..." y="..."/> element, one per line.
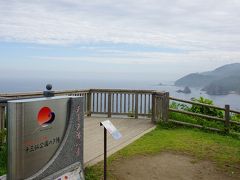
<point x="3" y="135"/>
<point x="199" y="109"/>
<point x="3" y="152"/>
<point x="3" y="159"/>
<point x="196" y="120"/>
<point x="204" y="109"/>
<point x="179" y="106"/>
<point x="235" y="117"/>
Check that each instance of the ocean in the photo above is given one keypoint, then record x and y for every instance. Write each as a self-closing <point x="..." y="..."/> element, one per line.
<point x="11" y="86"/>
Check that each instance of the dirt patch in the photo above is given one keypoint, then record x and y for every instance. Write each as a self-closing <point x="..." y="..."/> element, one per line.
<point x="168" y="166"/>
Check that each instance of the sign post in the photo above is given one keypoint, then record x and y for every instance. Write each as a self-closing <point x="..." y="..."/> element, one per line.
<point x="108" y="126"/>
<point x="105" y="154"/>
<point x="45" y="137"/>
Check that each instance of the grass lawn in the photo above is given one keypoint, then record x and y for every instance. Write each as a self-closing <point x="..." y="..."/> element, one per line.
<point x="223" y="150"/>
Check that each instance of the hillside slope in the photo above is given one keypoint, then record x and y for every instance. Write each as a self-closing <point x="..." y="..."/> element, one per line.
<point x="195" y="80"/>
<point x="224" y="86"/>
<point x="220" y="81"/>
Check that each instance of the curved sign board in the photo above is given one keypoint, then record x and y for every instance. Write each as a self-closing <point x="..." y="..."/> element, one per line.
<point x="38" y="131"/>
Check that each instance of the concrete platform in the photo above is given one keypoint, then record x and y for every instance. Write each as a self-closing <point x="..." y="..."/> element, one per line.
<point x="130" y="128"/>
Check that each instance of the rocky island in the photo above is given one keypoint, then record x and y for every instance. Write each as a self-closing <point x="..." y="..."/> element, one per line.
<point x="186" y="90"/>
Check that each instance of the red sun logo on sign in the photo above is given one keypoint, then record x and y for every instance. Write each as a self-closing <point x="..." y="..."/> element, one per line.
<point x="45" y="116"/>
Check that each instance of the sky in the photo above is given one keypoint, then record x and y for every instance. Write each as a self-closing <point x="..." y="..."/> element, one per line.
<point x="144" y="40"/>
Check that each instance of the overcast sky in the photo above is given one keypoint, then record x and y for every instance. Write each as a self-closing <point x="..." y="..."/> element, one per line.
<point x="127" y="39"/>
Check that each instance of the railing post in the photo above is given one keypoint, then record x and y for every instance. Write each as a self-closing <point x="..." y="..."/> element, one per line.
<point x="2" y="117"/>
<point x="109" y="104"/>
<point x="89" y="103"/>
<point x="166" y="107"/>
<point x="153" y="107"/>
<point x="136" y="106"/>
<point x="227" y="118"/>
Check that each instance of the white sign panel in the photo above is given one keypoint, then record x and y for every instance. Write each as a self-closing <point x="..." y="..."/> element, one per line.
<point x="112" y="129"/>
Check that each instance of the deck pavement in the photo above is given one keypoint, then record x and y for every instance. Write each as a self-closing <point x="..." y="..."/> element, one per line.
<point x="130" y="128"/>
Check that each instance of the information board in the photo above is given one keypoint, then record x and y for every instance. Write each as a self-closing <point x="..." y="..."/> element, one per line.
<point x="112" y="129"/>
<point x="45" y="137"/>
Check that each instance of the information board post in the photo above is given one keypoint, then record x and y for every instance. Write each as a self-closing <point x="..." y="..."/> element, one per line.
<point x="108" y="126"/>
<point x="105" y="153"/>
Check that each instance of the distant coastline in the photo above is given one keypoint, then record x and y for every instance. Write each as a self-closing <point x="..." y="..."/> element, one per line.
<point x="232" y="98"/>
<point x="221" y="81"/>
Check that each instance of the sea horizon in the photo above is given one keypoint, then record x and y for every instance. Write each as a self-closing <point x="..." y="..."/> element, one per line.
<point x="168" y="86"/>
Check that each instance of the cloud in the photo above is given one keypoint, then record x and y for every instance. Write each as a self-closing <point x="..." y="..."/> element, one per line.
<point x="183" y="24"/>
<point x="147" y="58"/>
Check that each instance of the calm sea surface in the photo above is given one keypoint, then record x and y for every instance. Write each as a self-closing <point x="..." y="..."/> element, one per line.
<point x="38" y="85"/>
